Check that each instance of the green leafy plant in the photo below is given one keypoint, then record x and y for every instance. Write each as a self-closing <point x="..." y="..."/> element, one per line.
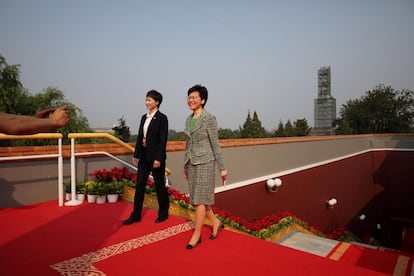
<point x="101" y="189"/>
<point x="91" y="187"/>
<point x="115" y="187"/>
<point x="128" y="182"/>
<point x="66" y="186"/>
<point x="81" y="188"/>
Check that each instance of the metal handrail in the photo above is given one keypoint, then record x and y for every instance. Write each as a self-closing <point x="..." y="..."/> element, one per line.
<point x="101" y="135"/>
<point x="73" y="154"/>
<point x="58" y="155"/>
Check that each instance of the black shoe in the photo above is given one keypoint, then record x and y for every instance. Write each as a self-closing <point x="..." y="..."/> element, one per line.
<point x="213" y="236"/>
<point x="158" y="220"/>
<point x="130" y="220"/>
<point x="191" y="246"/>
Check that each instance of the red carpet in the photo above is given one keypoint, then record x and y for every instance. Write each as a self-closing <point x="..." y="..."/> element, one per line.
<point x="385" y="261"/>
<point x="44" y="239"/>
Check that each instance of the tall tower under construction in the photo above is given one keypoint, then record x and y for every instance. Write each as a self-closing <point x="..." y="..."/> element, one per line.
<point x="324" y="105"/>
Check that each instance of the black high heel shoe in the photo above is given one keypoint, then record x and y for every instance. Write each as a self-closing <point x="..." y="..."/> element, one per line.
<point x="214" y="235"/>
<point x="191" y="246"/>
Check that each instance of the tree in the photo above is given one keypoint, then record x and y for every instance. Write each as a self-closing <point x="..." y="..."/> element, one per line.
<point x="280" y="131"/>
<point x="301" y="127"/>
<point x="289" y="129"/>
<point x="51" y="97"/>
<point x="342" y="127"/>
<point x="246" y="131"/>
<point x="78" y="123"/>
<point x="252" y="128"/>
<point x="258" y="129"/>
<point x="12" y="93"/>
<point x="381" y="110"/>
<point x="122" y="130"/>
<point x="226" y="133"/>
<point x="176" y="136"/>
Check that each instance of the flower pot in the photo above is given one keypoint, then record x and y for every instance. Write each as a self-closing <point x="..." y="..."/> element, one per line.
<point x="80" y="197"/>
<point x="112" y="198"/>
<point x="101" y="199"/>
<point x="91" y="198"/>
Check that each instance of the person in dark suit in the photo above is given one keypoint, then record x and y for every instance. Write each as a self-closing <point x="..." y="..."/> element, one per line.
<point x="202" y="153"/>
<point x="150" y="155"/>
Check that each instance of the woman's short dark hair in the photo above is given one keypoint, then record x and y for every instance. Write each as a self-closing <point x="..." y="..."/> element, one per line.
<point x="156" y="96"/>
<point x="202" y="91"/>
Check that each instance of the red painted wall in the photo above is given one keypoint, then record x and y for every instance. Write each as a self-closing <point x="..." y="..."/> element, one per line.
<point x="377" y="184"/>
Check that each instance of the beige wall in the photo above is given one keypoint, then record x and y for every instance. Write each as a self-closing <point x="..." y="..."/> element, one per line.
<point x="23" y="183"/>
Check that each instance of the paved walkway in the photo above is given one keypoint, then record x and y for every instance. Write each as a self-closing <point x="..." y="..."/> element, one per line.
<point x="308" y="243"/>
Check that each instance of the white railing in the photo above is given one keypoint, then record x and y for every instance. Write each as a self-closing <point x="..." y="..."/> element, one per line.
<point x="72" y="136"/>
<point x="58" y="155"/>
<point x="73" y="154"/>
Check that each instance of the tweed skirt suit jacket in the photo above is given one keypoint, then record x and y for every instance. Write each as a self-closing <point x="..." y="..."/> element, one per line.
<point x="202" y="153"/>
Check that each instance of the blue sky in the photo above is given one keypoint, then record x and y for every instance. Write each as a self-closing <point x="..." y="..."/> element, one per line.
<point x="258" y="55"/>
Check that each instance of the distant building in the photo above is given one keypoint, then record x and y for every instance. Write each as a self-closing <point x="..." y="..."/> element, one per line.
<point x="324" y="105"/>
<point x="103" y="130"/>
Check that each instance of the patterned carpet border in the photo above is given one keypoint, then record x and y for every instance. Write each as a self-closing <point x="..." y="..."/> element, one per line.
<point x="401" y="266"/>
<point x="340" y="251"/>
<point x="83" y="265"/>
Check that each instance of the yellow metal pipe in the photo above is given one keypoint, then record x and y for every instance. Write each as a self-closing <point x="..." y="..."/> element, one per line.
<point x="33" y="136"/>
<point x="101" y="135"/>
<point x="110" y="137"/>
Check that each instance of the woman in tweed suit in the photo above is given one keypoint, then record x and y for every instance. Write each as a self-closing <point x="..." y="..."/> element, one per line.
<point x="202" y="153"/>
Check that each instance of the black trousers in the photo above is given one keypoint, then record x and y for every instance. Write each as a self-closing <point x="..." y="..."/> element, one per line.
<point x="144" y="170"/>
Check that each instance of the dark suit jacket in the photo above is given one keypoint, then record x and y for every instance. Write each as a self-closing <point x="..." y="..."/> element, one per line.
<point x="157" y="136"/>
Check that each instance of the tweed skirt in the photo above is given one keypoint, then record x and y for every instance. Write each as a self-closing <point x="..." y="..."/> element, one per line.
<point x="201" y="183"/>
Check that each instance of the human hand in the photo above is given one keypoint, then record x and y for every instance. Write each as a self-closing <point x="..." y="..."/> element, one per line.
<point x="156" y="164"/>
<point x="60" y="116"/>
<point x="44" y="113"/>
<point x="223" y="175"/>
